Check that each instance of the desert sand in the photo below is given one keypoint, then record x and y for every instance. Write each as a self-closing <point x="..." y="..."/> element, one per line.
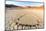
<point x="32" y="15"/>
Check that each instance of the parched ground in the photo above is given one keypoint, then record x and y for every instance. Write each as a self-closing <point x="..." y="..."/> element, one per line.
<point x="29" y="16"/>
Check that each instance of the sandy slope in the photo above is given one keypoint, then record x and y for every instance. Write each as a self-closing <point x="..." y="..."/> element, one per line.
<point x="31" y="16"/>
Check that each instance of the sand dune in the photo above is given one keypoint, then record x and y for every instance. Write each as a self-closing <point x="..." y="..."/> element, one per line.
<point x="31" y="15"/>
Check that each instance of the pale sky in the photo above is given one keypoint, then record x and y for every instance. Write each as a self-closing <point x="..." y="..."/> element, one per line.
<point x="28" y="4"/>
<point x="13" y="2"/>
<point x="28" y="0"/>
<point x="31" y="0"/>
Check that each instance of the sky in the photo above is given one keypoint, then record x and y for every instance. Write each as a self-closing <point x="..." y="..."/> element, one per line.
<point x="27" y="4"/>
<point x="31" y="0"/>
<point x="28" y="0"/>
<point x="13" y="2"/>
